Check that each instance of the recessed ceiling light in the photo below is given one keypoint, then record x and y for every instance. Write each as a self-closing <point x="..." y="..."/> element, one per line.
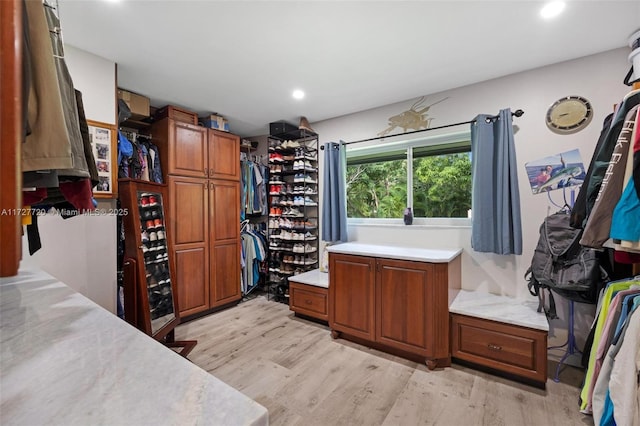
<point x="552" y="9"/>
<point x="298" y="94"/>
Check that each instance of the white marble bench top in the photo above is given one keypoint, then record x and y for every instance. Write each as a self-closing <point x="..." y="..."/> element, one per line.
<point x="396" y="252"/>
<point x="66" y="361"/>
<point x="500" y="308"/>
<point x="314" y="277"/>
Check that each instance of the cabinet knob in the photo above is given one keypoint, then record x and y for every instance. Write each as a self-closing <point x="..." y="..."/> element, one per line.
<point x="308" y="302"/>
<point x="494" y="347"/>
<point x="206" y="171"/>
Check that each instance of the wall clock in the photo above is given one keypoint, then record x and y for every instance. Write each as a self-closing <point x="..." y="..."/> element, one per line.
<point x="569" y="115"/>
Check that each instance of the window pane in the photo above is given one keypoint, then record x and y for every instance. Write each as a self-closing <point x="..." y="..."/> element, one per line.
<point x="377" y="189"/>
<point x="442" y="185"/>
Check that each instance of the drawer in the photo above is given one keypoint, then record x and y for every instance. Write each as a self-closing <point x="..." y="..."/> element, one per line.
<point x="504" y="347"/>
<point x="309" y="300"/>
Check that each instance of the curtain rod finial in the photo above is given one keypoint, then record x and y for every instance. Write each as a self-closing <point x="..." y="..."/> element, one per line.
<point x="518" y="113"/>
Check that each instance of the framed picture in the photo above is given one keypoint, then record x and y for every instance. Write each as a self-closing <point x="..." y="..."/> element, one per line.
<point x="556" y="172"/>
<point x="103" y="139"/>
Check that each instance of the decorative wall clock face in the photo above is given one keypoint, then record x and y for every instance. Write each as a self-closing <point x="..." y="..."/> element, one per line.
<point x="569" y="115"/>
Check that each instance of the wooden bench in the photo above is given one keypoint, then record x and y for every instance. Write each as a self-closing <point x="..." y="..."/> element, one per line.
<point x="503" y="334"/>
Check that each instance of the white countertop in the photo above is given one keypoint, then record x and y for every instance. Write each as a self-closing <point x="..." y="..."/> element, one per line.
<point x="314" y="278"/>
<point x="67" y="361"/>
<point x="396" y="252"/>
<point x="500" y="308"/>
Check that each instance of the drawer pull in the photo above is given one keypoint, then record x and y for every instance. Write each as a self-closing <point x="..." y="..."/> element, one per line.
<point x="494" y="347"/>
<point x="308" y="301"/>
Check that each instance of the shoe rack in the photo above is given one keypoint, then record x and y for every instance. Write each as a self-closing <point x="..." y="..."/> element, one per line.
<point x="293" y="209"/>
<point x="151" y="302"/>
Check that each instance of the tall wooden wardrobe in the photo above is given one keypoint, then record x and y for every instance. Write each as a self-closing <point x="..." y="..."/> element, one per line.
<point x="203" y="175"/>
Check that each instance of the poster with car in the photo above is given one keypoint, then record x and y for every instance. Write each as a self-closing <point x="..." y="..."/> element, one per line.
<point x="557" y="171"/>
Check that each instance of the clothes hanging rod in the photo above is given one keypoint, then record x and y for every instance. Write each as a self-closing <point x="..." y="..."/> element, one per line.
<point x="517" y="113"/>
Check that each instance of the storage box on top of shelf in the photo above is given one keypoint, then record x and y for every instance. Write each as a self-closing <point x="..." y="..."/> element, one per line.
<point x="215" y="121"/>
<point x="138" y="104"/>
<point x="281" y="127"/>
<point x="177" y="113"/>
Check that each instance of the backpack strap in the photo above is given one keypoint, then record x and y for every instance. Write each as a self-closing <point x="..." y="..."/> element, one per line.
<point x="551" y="312"/>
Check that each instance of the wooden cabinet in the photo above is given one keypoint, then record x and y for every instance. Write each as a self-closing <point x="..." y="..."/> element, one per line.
<point x="189" y="225"/>
<point x="404" y="305"/>
<point x="186" y="147"/>
<point x="352" y="295"/>
<point x="308" y="300"/>
<point x="223" y="155"/>
<point x="512" y="349"/>
<point x="203" y="176"/>
<point x="397" y="304"/>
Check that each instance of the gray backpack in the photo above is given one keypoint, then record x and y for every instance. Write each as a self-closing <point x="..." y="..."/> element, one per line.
<point x="561" y="265"/>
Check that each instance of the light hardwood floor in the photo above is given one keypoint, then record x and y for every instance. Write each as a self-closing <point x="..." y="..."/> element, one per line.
<point x="303" y="377"/>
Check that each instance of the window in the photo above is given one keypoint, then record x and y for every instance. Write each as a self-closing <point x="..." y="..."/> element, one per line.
<point x="432" y="175"/>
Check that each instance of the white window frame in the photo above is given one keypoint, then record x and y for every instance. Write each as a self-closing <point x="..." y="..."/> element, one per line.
<point x="407" y="145"/>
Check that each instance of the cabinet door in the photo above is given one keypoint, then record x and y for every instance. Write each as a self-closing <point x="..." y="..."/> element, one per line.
<point x="224" y="273"/>
<point x="224" y="211"/>
<point x="403" y="305"/>
<point x="187" y="149"/>
<point x="351" y="295"/>
<point x="189" y="228"/>
<point x="192" y="278"/>
<point x="224" y="155"/>
<point x="189" y="218"/>
<point x="224" y="220"/>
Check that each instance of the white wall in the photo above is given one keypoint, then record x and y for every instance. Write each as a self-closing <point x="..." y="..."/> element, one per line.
<point x="598" y="78"/>
<point x="81" y="251"/>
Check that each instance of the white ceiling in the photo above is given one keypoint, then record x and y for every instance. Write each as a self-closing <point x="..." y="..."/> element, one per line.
<point x="243" y="59"/>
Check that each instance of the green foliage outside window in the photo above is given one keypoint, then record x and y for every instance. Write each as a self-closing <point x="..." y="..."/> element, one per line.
<point x="377" y="190"/>
<point x="441" y="187"/>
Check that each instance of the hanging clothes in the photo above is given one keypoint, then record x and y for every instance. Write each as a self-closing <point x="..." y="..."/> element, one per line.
<point x="625" y="225"/>
<point x="602" y="156"/>
<point x="254" y="253"/>
<point x="598" y="227"/>
<point x="253" y="189"/>
<point x="616" y="396"/>
<point x="604" y="305"/>
<point x="47" y="145"/>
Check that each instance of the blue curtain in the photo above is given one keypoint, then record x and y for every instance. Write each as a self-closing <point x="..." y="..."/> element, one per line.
<point x="495" y="201"/>
<point x="334" y="201"/>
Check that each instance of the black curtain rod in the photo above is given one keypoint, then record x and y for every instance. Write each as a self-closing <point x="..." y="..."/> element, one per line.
<point x="517" y="113"/>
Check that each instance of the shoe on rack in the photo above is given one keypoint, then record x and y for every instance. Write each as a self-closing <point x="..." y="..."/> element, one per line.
<point x="304" y="125"/>
<point x="309" y="179"/>
<point x="293" y="144"/>
<point x="306" y="165"/>
<point x="308" y="248"/>
<point x="308" y="201"/>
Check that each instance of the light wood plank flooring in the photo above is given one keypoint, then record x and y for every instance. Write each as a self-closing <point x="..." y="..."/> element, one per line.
<point x="303" y="377"/>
